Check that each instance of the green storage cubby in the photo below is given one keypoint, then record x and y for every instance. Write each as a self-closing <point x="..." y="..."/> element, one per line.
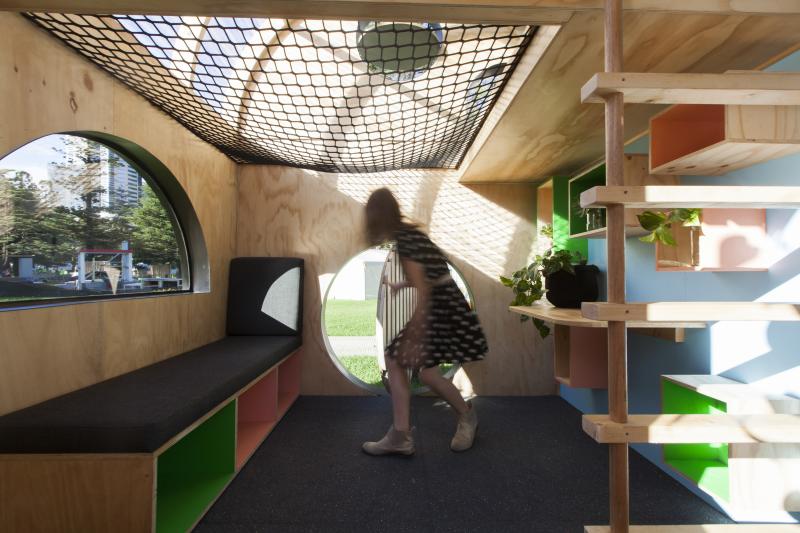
<point x="192" y="472"/>
<point x="577" y="219"/>
<point x="705" y="464"/>
<point x="561" y="229"/>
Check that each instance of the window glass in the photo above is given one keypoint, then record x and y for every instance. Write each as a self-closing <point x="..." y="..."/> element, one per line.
<point x="78" y="220"/>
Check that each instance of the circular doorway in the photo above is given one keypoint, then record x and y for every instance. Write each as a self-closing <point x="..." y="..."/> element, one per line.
<point x="360" y="316"/>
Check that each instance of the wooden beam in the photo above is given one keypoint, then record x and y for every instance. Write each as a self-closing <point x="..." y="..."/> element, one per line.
<point x="526" y="11"/>
<point x="692" y="311"/>
<point x="688" y="429"/>
<point x="656" y="196"/>
<point x="736" y="88"/>
<point x="709" y="528"/>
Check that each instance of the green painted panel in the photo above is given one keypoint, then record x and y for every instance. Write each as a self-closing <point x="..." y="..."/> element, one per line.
<point x="561" y="240"/>
<point x="705" y="464"/>
<point x="593" y="178"/>
<point x="194" y="470"/>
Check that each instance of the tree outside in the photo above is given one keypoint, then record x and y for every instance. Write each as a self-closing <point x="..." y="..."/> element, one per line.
<point x="89" y="198"/>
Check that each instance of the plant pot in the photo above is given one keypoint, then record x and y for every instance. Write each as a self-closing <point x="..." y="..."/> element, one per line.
<point x="569" y="290"/>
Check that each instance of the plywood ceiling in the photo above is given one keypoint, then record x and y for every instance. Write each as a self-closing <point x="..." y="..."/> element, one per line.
<point x="547" y="131"/>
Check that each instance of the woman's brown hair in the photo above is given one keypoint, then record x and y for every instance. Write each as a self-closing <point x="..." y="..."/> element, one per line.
<point x="382" y="217"/>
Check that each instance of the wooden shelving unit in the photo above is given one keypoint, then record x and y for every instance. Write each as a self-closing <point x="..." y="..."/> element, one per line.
<point x="580" y="344"/>
<point x="552" y="208"/>
<point x="687" y="429"/>
<point x="635" y="173"/>
<point x="661" y="197"/>
<point x="614" y="88"/>
<point x="732" y="88"/>
<point x="692" y="311"/>
<point x="713" y="139"/>
<point x="746" y="477"/>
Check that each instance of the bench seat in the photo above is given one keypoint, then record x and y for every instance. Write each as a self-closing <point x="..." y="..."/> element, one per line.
<point x="140" y="411"/>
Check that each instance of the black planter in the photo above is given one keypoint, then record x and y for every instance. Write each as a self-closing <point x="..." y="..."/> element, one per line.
<point x="569" y="290"/>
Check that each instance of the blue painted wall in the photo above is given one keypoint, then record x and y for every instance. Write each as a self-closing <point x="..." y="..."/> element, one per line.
<point x="764" y="354"/>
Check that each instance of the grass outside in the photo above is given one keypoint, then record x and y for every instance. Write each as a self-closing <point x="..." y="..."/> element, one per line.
<point x="350" y="318"/>
<point x="365" y="368"/>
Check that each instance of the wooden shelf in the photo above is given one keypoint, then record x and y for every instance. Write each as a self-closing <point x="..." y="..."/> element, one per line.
<point x="574" y="317"/>
<point x="687" y="429"/>
<point x="735" y="88"/>
<point x="600" y="233"/>
<point x="715" y="139"/>
<point x="671" y="312"/>
<point x="739" y="398"/>
<point x="709" y="528"/>
<point x="661" y="197"/>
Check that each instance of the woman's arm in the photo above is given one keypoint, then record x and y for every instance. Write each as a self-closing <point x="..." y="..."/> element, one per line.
<point x="415" y="273"/>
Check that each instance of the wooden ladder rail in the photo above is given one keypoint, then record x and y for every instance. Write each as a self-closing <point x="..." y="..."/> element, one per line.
<point x="619" y="504"/>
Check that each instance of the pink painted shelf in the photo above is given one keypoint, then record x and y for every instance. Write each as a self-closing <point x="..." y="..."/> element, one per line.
<point x="581" y="357"/>
<point x="257" y="414"/>
<point x="288" y="382"/>
<point x="730" y="240"/>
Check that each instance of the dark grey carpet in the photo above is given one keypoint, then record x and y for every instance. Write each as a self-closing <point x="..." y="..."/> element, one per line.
<point x="532" y="470"/>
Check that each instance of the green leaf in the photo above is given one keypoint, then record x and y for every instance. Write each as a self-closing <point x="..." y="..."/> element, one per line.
<point x="650" y="237"/>
<point x="651" y="220"/>
<point x="664" y="235"/>
<point x="506" y="281"/>
<point x="541" y="327"/>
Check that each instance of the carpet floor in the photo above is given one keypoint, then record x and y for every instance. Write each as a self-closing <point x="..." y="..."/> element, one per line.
<point x="532" y="470"/>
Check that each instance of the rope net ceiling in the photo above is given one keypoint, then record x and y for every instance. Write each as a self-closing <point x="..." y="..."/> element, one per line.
<point x="320" y="94"/>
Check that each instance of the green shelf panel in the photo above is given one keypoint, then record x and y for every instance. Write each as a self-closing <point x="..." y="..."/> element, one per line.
<point x="705" y="464"/>
<point x="194" y="471"/>
<point x="561" y="233"/>
<point x="594" y="178"/>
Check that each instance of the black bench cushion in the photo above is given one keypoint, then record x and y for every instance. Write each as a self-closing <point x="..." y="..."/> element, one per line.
<point x="265" y="296"/>
<point x="141" y="410"/>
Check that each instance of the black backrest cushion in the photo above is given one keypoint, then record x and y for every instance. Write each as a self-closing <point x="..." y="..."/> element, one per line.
<point x="265" y="296"/>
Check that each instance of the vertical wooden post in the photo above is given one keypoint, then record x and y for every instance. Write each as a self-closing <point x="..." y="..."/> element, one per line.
<point x="615" y="243"/>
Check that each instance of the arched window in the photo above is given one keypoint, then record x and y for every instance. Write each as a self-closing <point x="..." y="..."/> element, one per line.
<point x="78" y="220"/>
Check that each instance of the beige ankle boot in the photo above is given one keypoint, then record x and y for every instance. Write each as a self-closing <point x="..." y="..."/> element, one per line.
<point x="465" y="432"/>
<point x="399" y="442"/>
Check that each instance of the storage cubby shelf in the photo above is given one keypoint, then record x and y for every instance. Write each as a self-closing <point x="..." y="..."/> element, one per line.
<point x="662" y="197"/>
<point x="736" y="88"/>
<point x="687" y="429"/>
<point x="715" y="139"/>
<point x="740" y="398"/>
<point x="744" y="476"/>
<point x="691" y="311"/>
<point x="635" y="173"/>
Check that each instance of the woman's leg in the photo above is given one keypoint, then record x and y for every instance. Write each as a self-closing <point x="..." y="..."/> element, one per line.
<point x="444" y="388"/>
<point x="401" y="394"/>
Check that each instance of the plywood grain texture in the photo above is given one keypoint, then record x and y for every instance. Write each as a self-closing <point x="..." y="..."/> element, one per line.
<point x="75" y="492"/>
<point x="547" y="131"/>
<point x="485" y="230"/>
<point x="46" y="352"/>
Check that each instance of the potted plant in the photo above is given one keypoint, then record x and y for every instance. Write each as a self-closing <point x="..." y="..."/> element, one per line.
<point x="659" y="224"/>
<point x="568" y="279"/>
<point x="563" y="277"/>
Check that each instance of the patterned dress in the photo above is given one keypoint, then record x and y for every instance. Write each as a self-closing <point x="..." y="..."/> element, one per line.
<point x="450" y="331"/>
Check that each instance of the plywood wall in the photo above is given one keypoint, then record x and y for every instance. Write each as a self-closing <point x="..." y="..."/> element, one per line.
<point x="485" y="230"/>
<point x="46" y="88"/>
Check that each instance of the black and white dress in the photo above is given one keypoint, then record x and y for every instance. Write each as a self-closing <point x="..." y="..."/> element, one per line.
<point x="450" y="331"/>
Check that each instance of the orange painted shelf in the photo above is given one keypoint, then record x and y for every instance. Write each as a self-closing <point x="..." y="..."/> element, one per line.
<point x="581" y="356"/>
<point x="288" y="383"/>
<point x="257" y="414"/>
<point x="730" y="240"/>
<point x="715" y="139"/>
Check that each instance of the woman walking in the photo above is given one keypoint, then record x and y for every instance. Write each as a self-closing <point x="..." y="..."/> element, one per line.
<point x="442" y="329"/>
